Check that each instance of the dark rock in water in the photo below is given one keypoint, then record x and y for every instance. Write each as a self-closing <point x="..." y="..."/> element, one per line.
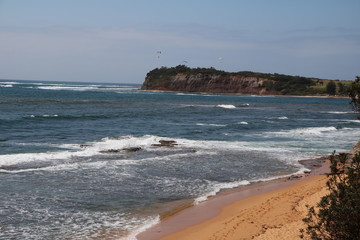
<point x="313" y="163"/>
<point x="110" y="151"/>
<point x="132" y="149"/>
<point x="164" y="143"/>
<point x="85" y="145"/>
<point x="293" y="177"/>
<point x="10" y="168"/>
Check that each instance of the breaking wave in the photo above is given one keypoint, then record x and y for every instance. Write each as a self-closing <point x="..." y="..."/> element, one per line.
<point x="227" y="106"/>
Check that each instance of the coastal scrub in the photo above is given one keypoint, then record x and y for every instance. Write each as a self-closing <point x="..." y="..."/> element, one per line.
<point x="337" y="214"/>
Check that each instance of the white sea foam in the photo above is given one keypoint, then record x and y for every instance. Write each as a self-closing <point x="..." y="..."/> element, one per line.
<point x="186" y="94"/>
<point x="338" y="112"/>
<point x="45" y="144"/>
<point x="354" y="121"/>
<point x="13" y="159"/>
<point x="283" y="117"/>
<point x="9" y="83"/>
<point x="243" y="123"/>
<point x="67" y="88"/>
<point x="148" y="223"/>
<point x="50" y="116"/>
<point x="211" y="124"/>
<point x="6" y="85"/>
<point x="308" y="131"/>
<point x="217" y="187"/>
<point x="228" y="106"/>
<point x="244" y="105"/>
<point x="300" y="171"/>
<point x="64" y="160"/>
<point x="119" y="89"/>
<point x="91" y="149"/>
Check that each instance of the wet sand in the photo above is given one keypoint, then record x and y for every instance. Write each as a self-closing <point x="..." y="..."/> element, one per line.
<point x="266" y="210"/>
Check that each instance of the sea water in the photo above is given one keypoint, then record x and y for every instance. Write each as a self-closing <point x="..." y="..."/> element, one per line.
<point x="84" y="160"/>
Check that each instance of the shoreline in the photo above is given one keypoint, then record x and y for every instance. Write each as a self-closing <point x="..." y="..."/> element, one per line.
<point x="198" y="216"/>
<point x="242" y="94"/>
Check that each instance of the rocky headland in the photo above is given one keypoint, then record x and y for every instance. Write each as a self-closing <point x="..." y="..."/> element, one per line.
<point x="210" y="80"/>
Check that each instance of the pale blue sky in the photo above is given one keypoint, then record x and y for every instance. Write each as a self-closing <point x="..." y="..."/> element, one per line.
<point x="117" y="41"/>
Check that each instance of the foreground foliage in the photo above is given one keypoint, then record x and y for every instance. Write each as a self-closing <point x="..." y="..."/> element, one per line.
<point x="337" y="215"/>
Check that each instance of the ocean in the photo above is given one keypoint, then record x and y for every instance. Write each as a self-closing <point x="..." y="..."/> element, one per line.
<point x="94" y="160"/>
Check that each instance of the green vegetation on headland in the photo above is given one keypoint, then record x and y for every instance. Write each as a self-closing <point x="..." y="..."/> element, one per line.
<point x="184" y="79"/>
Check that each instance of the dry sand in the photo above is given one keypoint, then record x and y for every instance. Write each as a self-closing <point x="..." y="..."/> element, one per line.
<point x="268" y="211"/>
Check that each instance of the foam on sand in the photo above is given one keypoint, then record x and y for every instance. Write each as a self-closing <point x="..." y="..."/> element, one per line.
<point x="217" y="187"/>
<point x="146" y="225"/>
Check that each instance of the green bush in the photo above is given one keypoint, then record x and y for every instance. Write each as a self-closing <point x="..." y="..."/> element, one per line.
<point x="354" y="93"/>
<point x="331" y="88"/>
<point x="338" y="214"/>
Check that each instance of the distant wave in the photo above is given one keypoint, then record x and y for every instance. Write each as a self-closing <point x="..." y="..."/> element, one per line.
<point x="244" y="105"/>
<point x="243" y="123"/>
<point x="6" y="85"/>
<point x="311" y="131"/>
<point x="228" y="106"/>
<point x="32" y="116"/>
<point x="353" y="121"/>
<point x="334" y="112"/>
<point x="187" y="94"/>
<point x="59" y="87"/>
<point x="11" y="83"/>
<point x="211" y="124"/>
<point x="67" y="88"/>
<point x="45" y="116"/>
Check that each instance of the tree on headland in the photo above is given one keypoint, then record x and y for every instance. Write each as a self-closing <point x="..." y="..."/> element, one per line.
<point x="337" y="215"/>
<point x="331" y="88"/>
<point x="341" y="88"/>
<point x="354" y="93"/>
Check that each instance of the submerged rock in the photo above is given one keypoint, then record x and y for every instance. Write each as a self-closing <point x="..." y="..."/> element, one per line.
<point x="110" y="151"/>
<point x="85" y="145"/>
<point x="165" y="143"/>
<point x="293" y="177"/>
<point x="131" y="149"/>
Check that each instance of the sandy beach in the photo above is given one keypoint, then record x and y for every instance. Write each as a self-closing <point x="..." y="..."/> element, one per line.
<point x="268" y="210"/>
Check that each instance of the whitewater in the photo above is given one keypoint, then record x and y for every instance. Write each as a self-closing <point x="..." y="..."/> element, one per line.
<point x="94" y="160"/>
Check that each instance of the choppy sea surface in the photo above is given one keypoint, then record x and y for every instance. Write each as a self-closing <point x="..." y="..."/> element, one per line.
<point x="84" y="161"/>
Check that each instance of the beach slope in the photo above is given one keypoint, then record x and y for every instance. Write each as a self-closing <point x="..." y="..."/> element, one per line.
<point x="265" y="211"/>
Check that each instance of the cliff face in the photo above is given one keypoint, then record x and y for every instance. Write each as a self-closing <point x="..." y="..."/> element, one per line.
<point x="211" y="83"/>
<point x="184" y="79"/>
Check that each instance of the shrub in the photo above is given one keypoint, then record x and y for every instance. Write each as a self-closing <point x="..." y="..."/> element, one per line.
<point x="331" y="88"/>
<point x="338" y="214"/>
<point x="354" y="93"/>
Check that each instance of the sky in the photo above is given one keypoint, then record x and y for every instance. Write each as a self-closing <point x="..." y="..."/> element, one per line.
<point x="119" y="41"/>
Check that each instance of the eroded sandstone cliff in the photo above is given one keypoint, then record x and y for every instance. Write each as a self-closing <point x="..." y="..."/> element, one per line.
<point x="210" y="83"/>
<point x="210" y="80"/>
